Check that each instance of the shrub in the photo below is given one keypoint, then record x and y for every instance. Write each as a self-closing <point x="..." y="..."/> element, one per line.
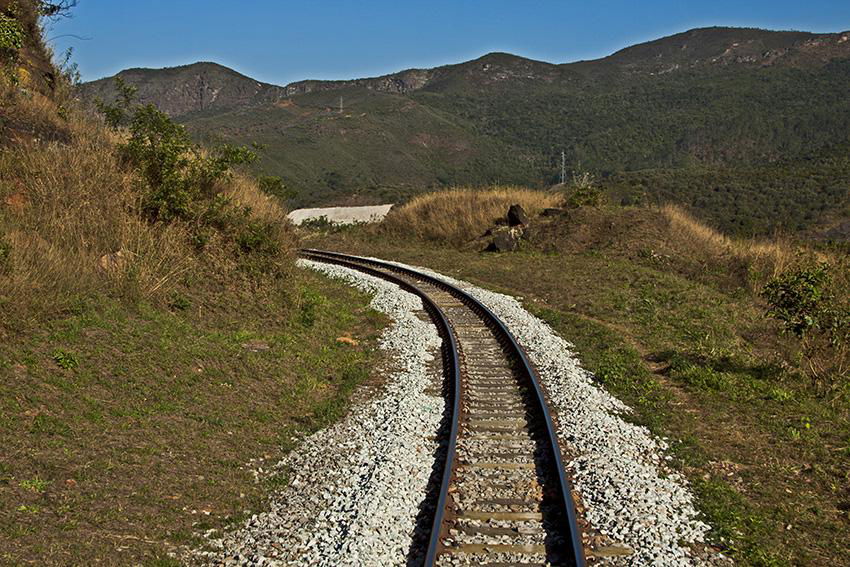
<point x="11" y="35"/>
<point x="799" y="299"/>
<point x="804" y="300"/>
<point x="585" y="193"/>
<point x="11" y="41"/>
<point x="179" y="176"/>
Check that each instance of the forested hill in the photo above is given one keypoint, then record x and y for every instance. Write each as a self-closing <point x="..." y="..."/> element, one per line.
<point x="739" y="113"/>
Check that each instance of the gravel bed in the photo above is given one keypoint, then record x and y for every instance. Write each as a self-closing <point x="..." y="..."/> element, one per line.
<point x="630" y="494"/>
<point x="356" y="487"/>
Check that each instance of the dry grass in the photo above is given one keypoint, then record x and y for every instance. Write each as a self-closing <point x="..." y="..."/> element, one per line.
<point x="767" y="256"/>
<point x="462" y="214"/>
<point x="28" y="116"/>
<point x="66" y="206"/>
<point x="243" y="192"/>
<point x="69" y="214"/>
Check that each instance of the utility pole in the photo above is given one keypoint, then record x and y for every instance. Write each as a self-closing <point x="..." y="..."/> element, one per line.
<point x="563" y="167"/>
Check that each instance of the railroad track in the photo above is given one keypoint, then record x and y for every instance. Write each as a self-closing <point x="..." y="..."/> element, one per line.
<point x="504" y="498"/>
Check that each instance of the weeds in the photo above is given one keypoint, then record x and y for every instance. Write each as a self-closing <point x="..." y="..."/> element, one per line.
<point x="65" y="359"/>
<point x="37" y="485"/>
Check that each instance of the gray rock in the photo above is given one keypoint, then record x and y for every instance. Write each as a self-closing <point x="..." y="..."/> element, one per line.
<point x="517" y="216"/>
<point x="505" y="239"/>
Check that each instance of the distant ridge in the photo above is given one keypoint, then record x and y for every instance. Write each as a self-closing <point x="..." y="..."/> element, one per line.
<point x="748" y="127"/>
<point x="188" y="88"/>
<point x="206" y="86"/>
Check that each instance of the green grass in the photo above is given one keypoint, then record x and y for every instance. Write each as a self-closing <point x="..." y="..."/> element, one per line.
<point x="697" y="361"/>
<point x="161" y="412"/>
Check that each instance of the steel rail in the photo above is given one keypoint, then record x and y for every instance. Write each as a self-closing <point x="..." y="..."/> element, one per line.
<point x="575" y="553"/>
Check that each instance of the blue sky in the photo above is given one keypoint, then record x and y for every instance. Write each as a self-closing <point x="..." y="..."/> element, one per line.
<point x="281" y="41"/>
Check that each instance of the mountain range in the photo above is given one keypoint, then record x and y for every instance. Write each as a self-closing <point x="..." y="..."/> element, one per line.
<point x="748" y="127"/>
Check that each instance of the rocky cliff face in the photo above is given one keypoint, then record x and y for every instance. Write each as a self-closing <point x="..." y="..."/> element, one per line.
<point x="397" y="83"/>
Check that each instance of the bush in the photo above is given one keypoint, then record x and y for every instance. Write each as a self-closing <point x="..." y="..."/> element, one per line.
<point x="11" y="41"/>
<point x="805" y="302"/>
<point x="11" y="35"/>
<point x="799" y="299"/>
<point x="585" y="193"/>
<point x="181" y="179"/>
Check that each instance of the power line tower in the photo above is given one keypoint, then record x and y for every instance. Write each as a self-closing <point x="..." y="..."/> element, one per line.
<point x="563" y="167"/>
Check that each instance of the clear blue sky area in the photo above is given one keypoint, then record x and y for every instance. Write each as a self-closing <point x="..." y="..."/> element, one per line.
<point x="281" y="41"/>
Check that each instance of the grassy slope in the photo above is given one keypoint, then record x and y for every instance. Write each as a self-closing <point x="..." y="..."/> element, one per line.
<point x="672" y="330"/>
<point x="146" y="367"/>
<point x="146" y="438"/>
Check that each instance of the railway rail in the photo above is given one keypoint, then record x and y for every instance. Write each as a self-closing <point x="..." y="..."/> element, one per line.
<point x="504" y="498"/>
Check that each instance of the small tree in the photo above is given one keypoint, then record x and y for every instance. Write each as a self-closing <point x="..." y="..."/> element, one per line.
<point x="181" y="179"/>
<point x="584" y="192"/>
<point x="117" y="113"/>
<point x="804" y="302"/>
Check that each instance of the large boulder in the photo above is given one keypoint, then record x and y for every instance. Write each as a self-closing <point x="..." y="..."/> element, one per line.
<point x="517" y="216"/>
<point x="505" y="239"/>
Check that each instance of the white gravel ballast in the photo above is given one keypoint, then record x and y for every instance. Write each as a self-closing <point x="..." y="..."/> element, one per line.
<point x="356" y="487"/>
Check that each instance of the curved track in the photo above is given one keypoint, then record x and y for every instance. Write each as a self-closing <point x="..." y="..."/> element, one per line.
<point x="504" y="498"/>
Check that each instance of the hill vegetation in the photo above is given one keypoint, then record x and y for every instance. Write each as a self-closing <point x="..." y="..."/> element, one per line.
<point x="729" y="122"/>
<point x="157" y="344"/>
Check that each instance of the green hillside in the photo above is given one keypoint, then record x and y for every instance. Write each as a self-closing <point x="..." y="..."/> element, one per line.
<point x="381" y="147"/>
<point x="728" y="121"/>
